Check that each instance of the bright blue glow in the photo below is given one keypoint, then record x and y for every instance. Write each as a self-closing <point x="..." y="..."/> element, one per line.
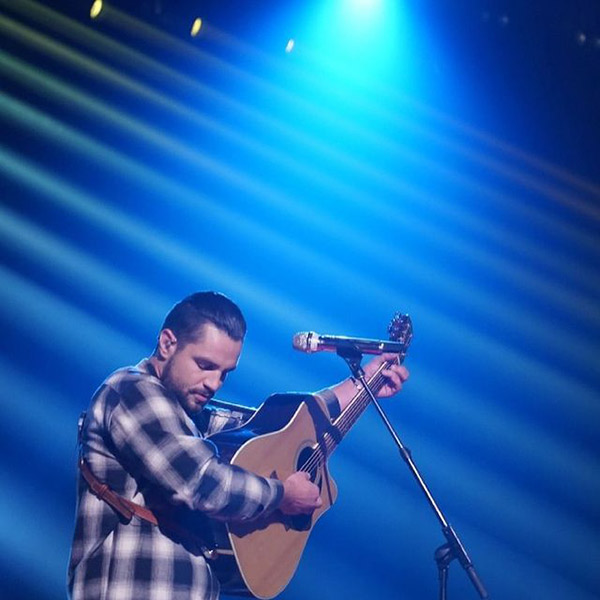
<point x="364" y="39"/>
<point x="365" y="6"/>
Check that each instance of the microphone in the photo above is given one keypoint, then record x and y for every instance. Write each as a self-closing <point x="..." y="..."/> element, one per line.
<point x="310" y="341"/>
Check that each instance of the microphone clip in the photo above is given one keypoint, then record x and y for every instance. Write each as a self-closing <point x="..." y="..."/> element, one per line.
<point x="353" y="357"/>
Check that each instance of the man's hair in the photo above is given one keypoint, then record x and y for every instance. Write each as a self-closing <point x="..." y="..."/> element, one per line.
<point x="187" y="317"/>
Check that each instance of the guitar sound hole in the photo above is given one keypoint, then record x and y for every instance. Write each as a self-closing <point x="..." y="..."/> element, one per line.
<point x="304" y="522"/>
<point x="304" y="463"/>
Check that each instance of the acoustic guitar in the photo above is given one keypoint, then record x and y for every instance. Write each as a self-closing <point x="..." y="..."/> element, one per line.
<point x="288" y="433"/>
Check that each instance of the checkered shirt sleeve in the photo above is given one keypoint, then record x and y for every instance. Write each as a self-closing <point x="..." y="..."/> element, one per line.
<point x="157" y="444"/>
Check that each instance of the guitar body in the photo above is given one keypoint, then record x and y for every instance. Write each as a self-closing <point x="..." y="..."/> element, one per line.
<point x="288" y="433"/>
<point x="259" y="558"/>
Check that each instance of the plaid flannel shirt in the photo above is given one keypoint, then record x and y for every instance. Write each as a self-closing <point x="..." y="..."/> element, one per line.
<point x="138" y="439"/>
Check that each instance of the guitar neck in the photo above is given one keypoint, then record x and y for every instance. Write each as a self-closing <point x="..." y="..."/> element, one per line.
<point x="361" y="400"/>
<point x="400" y="330"/>
<point x="352" y="413"/>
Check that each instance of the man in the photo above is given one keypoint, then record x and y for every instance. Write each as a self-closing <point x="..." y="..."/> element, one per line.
<point x="143" y="449"/>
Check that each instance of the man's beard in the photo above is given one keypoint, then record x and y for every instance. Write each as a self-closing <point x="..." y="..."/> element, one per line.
<point x="173" y="390"/>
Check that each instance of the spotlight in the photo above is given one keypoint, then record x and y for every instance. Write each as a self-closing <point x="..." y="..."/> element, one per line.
<point x="290" y="45"/>
<point x="196" y="27"/>
<point x="365" y="4"/>
<point x="96" y="9"/>
<point x="581" y="38"/>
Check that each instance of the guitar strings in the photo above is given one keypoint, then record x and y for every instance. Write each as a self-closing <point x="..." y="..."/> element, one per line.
<point x="347" y="419"/>
<point x="344" y="422"/>
<point x="353" y="411"/>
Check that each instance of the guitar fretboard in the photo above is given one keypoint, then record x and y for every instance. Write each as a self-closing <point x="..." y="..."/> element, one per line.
<point x="346" y="420"/>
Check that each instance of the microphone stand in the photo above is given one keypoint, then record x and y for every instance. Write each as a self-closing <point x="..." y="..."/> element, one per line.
<point x="453" y="548"/>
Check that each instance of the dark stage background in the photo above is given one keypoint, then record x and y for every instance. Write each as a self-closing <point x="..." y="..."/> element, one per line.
<point x="436" y="159"/>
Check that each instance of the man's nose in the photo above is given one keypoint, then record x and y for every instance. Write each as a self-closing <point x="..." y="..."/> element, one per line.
<point x="213" y="381"/>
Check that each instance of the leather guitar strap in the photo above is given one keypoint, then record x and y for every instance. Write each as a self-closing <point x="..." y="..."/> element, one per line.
<point x="128" y="509"/>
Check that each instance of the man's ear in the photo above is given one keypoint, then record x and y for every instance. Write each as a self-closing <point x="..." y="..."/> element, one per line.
<point x="167" y="344"/>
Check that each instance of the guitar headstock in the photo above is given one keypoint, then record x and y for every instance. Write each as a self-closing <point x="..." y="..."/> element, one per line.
<point x="400" y="330"/>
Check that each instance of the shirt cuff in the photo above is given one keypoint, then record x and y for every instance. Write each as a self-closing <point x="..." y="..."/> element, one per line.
<point x="277" y="490"/>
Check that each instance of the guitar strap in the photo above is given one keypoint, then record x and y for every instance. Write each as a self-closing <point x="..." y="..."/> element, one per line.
<point x="322" y="424"/>
<point x="128" y="509"/>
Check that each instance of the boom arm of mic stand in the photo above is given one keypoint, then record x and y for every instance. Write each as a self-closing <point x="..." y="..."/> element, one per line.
<point x="353" y="358"/>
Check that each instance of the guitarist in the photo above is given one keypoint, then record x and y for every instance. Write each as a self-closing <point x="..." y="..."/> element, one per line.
<point x="147" y="473"/>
